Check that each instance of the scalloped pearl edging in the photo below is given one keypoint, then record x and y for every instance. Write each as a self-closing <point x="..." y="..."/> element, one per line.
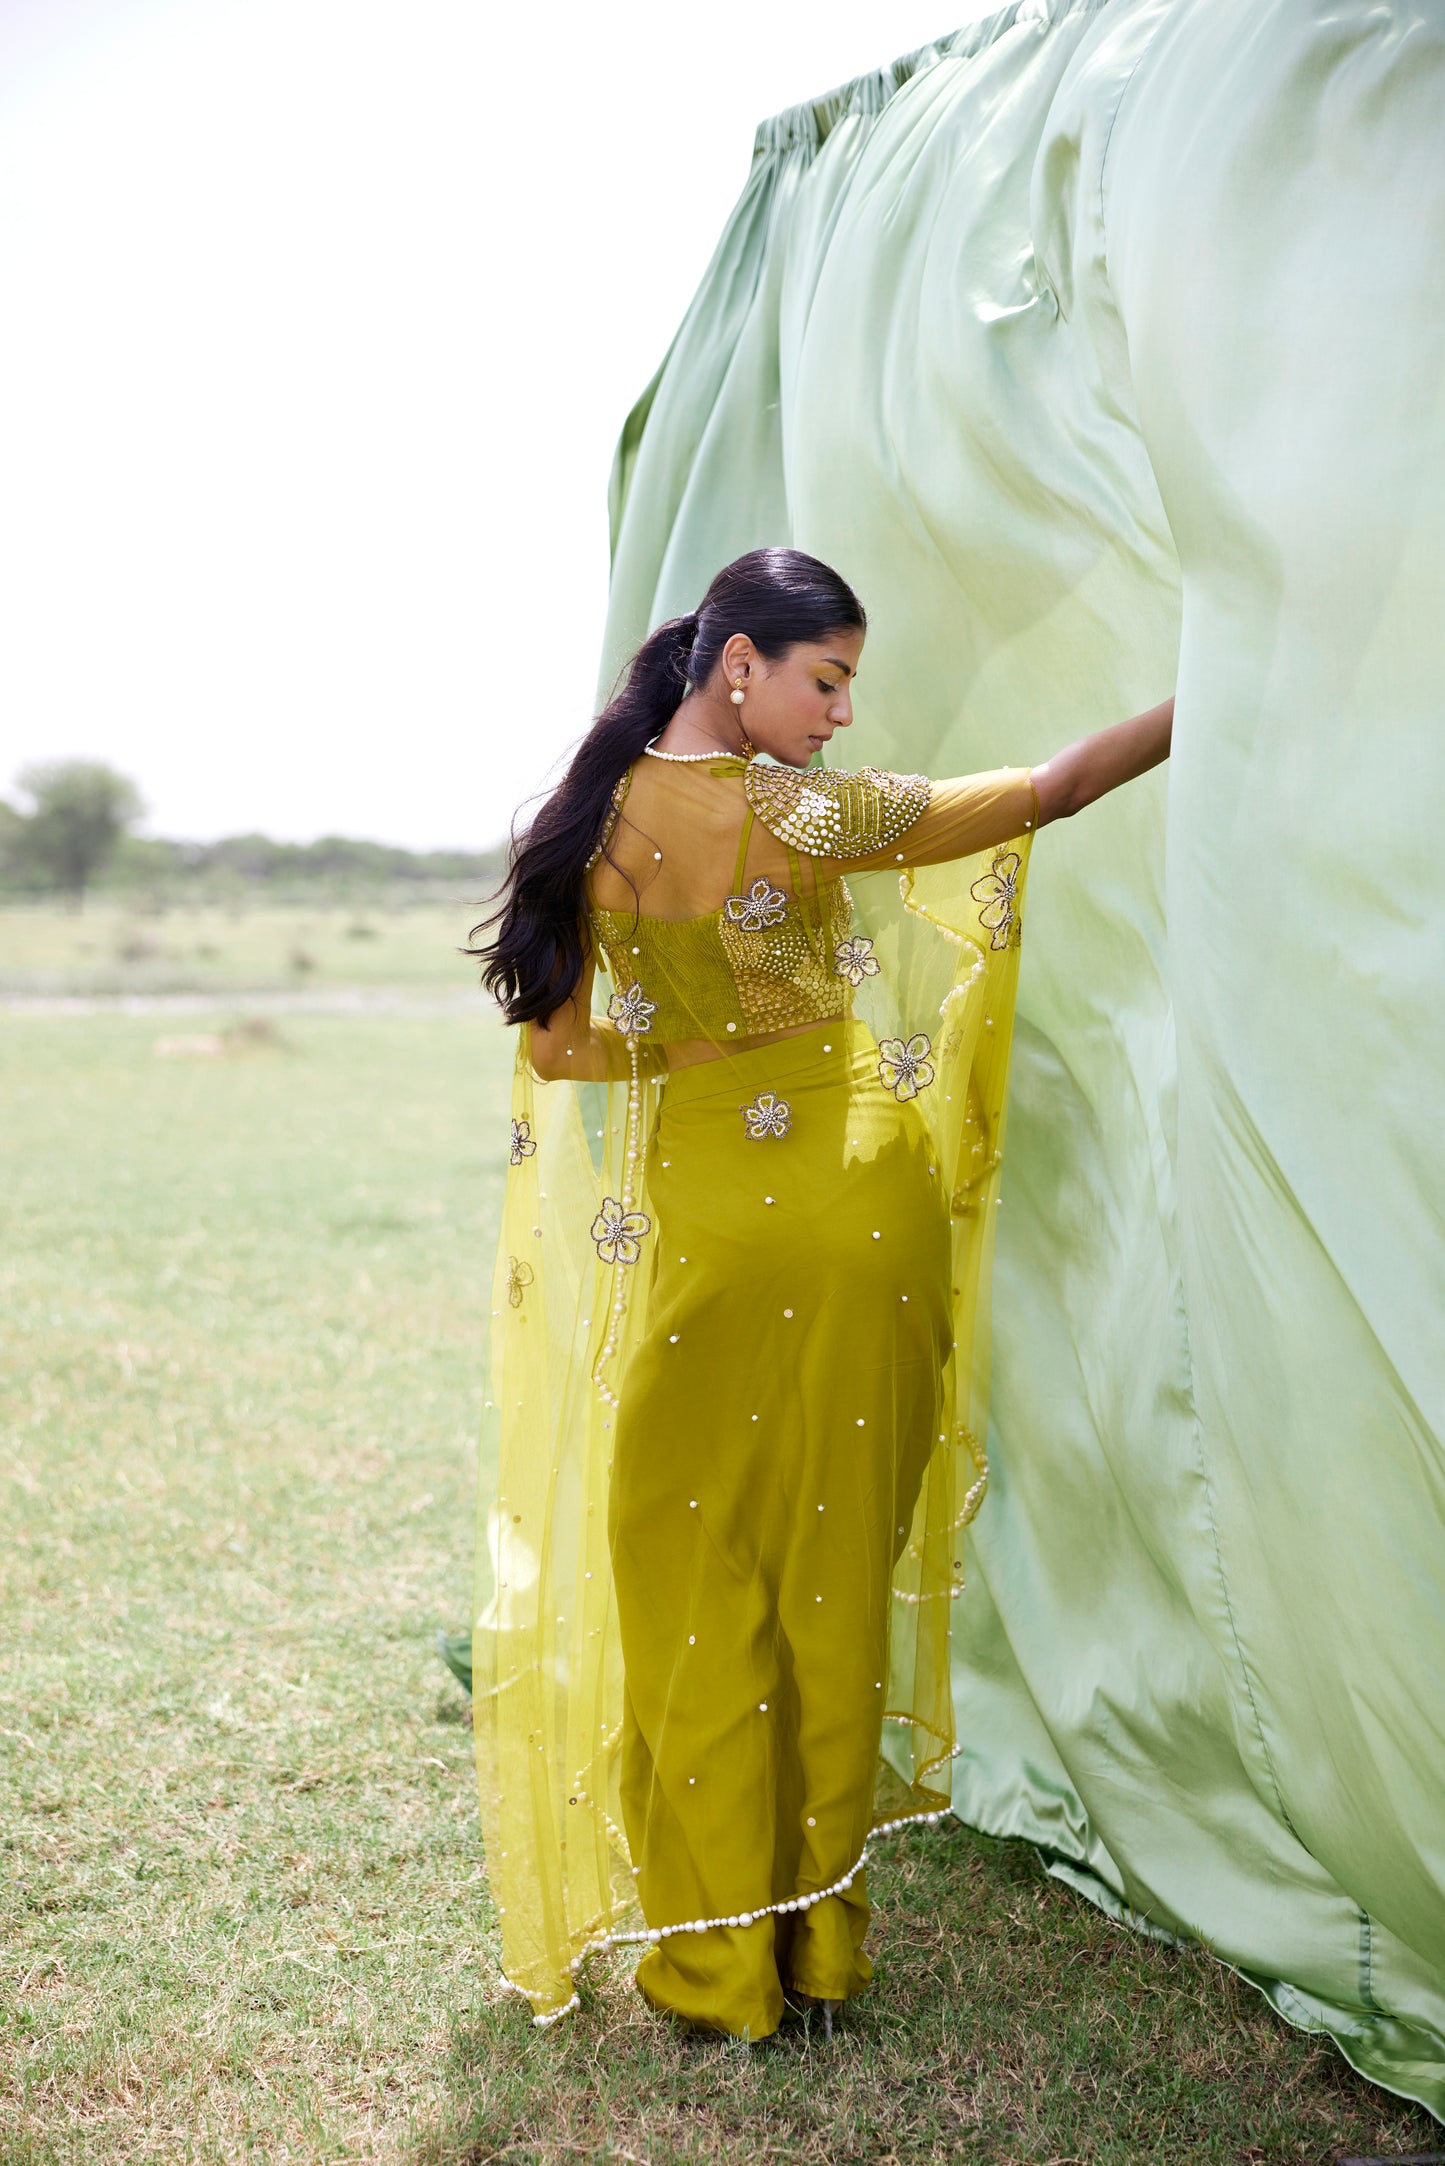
<point x="655" y="1933"/>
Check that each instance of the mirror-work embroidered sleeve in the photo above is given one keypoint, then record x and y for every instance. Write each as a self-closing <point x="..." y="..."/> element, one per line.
<point x="831" y="813"/>
<point x="875" y="821"/>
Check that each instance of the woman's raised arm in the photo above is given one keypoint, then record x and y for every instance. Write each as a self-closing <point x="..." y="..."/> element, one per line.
<point x="1092" y="766"/>
<point x="969" y="813"/>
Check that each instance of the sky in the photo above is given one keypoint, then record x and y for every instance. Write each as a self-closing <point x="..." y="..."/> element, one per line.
<point x="323" y="317"/>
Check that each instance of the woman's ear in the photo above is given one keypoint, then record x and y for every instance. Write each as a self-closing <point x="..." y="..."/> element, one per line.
<point x="737" y="656"/>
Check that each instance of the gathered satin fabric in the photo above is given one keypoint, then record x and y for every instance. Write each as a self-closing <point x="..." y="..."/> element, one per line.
<point x="738" y="1389"/>
<point x="1100" y="347"/>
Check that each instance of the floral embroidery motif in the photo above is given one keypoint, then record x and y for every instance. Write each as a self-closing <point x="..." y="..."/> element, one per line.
<point x="762" y="905"/>
<point x="854" y="960"/>
<point x="998" y="891"/>
<point x="905" y="1069"/>
<point x="522" y="1144"/>
<point x="519" y="1276"/>
<point x="618" y="1232"/>
<point x="631" y="1011"/>
<point x="768" y="1115"/>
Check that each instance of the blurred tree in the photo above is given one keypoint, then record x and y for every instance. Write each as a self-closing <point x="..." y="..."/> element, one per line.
<point x="75" y="838"/>
<point x="12" y="832"/>
<point x="81" y="810"/>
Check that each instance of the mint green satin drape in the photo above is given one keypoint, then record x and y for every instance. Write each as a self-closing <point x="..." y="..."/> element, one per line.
<point x="1095" y="341"/>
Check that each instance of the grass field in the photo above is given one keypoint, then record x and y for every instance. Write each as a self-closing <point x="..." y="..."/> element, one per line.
<point x="245" y="1918"/>
<point x="115" y="947"/>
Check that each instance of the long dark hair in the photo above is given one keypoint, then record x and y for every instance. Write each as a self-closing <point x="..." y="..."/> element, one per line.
<point x="779" y="597"/>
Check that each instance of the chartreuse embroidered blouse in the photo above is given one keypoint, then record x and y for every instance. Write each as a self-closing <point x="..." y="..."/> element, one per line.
<point x="717" y="897"/>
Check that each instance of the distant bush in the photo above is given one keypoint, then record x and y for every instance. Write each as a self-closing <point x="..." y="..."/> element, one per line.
<point x="154" y="872"/>
<point x="335" y="867"/>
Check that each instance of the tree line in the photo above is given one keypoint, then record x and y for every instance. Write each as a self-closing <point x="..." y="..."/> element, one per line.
<point x="72" y="832"/>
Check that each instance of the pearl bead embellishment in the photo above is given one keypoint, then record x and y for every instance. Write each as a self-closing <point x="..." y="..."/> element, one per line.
<point x="651" y="1935"/>
<point x="833" y="811"/>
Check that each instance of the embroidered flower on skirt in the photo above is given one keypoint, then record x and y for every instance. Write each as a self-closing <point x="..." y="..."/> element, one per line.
<point x="997" y="891"/>
<point x="762" y="905"/>
<point x="618" y="1232"/>
<point x="522" y="1144"/>
<point x="631" y="1010"/>
<point x="519" y="1276"/>
<point x="854" y="960"/>
<point x="905" y="1069"/>
<point x="768" y="1115"/>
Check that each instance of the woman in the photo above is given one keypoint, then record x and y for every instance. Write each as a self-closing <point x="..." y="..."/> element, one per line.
<point x="740" y="1347"/>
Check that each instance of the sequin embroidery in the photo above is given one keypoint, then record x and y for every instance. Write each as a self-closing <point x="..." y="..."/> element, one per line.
<point x="631" y="1010"/>
<point x="998" y="891"/>
<point x="617" y="1232"/>
<point x="768" y="1115"/>
<point x="522" y="1144"/>
<point x="782" y="973"/>
<point x="854" y="960"/>
<point x="905" y="1068"/>
<point x="609" y="818"/>
<point x="519" y="1277"/>
<point x="831" y="812"/>
<point x="762" y="905"/>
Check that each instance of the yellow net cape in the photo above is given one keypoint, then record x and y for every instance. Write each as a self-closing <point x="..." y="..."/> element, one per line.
<point x="937" y="960"/>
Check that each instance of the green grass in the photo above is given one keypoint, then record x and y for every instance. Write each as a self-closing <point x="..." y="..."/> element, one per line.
<point x="112" y="946"/>
<point x="243" y="1302"/>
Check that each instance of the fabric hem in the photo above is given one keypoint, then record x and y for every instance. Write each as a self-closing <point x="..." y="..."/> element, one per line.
<point x="650" y="1935"/>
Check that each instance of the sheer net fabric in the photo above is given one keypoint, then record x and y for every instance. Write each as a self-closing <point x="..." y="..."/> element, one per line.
<point x="739" y="1378"/>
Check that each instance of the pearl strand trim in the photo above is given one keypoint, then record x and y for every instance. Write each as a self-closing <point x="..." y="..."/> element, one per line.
<point x="617" y="1300"/>
<point x="682" y="758"/>
<point x="950" y="932"/>
<point x="653" y="1934"/>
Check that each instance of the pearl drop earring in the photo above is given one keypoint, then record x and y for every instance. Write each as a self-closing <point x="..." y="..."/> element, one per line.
<point x="736" y="696"/>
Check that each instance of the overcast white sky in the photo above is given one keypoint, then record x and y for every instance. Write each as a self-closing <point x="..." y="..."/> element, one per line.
<point x="322" y="318"/>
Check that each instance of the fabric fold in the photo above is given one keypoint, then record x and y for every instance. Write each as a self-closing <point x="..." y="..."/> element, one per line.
<point x="1100" y="353"/>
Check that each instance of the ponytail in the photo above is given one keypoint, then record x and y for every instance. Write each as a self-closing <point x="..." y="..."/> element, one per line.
<point x="537" y="954"/>
<point x="538" y="951"/>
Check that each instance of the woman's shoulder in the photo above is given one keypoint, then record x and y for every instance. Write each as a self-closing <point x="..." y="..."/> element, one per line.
<point x="835" y="811"/>
<point x="667" y="767"/>
<point x="701" y="794"/>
